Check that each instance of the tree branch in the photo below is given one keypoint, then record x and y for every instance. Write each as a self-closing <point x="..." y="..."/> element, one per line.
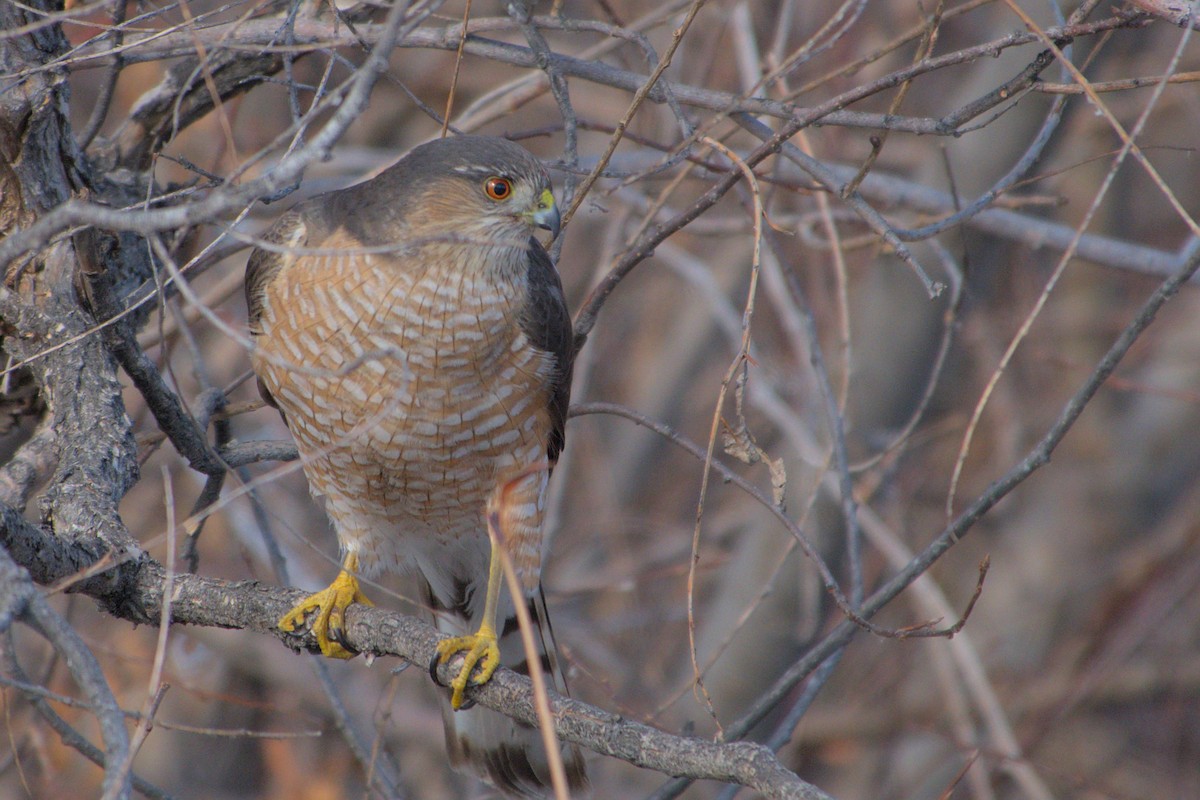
<point x="20" y="600"/>
<point x="251" y="606"/>
<point x="257" y="35"/>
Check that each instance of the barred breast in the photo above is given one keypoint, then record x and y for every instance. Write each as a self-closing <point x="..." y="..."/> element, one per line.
<point x="411" y="395"/>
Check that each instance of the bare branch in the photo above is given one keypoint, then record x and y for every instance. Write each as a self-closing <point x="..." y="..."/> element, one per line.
<point x="22" y="601"/>
<point x="238" y="100"/>
<point x="253" y="607"/>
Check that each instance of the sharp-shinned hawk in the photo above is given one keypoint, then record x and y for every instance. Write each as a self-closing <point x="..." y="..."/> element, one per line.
<point x="414" y="335"/>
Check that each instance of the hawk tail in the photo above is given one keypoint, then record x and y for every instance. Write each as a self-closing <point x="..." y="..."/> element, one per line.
<point x="503" y="752"/>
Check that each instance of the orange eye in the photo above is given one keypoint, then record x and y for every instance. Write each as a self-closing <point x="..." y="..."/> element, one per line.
<point x="497" y="188"/>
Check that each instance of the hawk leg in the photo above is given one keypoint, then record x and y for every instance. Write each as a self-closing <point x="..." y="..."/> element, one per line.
<point x="330" y="606"/>
<point x="481" y="651"/>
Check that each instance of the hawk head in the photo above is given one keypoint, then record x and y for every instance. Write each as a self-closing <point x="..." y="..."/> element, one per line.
<point x="466" y="185"/>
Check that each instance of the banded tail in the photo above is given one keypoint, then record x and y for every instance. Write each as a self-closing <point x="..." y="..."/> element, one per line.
<point x="501" y="751"/>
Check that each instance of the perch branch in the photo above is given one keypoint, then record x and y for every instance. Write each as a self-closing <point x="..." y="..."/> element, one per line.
<point x="250" y="606"/>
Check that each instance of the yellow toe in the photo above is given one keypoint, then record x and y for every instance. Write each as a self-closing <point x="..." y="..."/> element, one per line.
<point x="481" y="656"/>
<point x="330" y="606"/>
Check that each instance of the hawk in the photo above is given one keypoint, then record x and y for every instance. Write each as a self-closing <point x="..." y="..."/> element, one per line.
<point x="413" y="333"/>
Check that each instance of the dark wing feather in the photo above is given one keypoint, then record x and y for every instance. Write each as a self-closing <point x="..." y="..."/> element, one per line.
<point x="547" y="324"/>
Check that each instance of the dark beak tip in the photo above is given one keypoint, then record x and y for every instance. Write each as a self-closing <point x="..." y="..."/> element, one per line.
<point x="552" y="223"/>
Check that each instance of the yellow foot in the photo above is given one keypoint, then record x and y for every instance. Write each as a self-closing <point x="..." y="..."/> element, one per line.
<point x="479" y="650"/>
<point x="330" y="606"/>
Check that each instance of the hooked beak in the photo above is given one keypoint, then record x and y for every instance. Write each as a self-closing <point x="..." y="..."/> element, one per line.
<point x="546" y="214"/>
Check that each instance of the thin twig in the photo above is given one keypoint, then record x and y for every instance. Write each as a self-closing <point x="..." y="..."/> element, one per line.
<point x="458" y="57"/>
<point x="71" y="737"/>
<point x="1128" y="146"/>
<point x="537" y="677"/>
<point x="638" y="98"/>
<point x="1037" y="457"/>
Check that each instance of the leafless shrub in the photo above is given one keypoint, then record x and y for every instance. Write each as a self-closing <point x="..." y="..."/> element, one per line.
<point x="847" y="275"/>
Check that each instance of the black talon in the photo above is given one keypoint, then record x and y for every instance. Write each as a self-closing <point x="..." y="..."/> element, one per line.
<point x="338" y="635"/>
<point x="433" y="669"/>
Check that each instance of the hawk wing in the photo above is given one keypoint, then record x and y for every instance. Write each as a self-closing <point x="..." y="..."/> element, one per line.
<point x="547" y="325"/>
